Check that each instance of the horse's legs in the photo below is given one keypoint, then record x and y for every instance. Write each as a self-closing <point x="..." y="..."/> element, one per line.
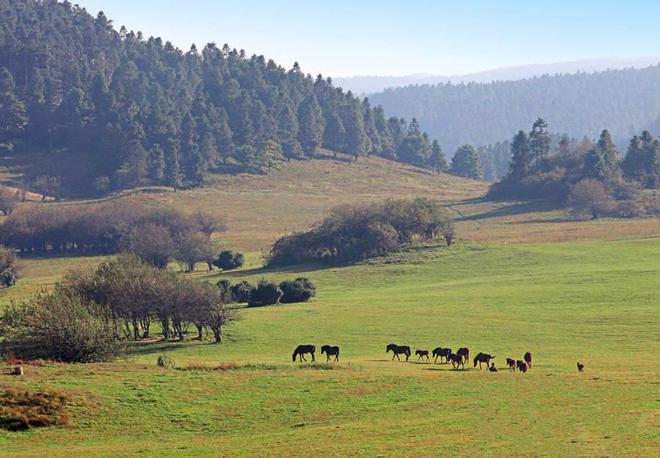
<point x="302" y="358"/>
<point x="313" y="360"/>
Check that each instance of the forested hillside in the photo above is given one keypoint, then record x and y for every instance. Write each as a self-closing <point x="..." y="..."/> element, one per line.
<point x="137" y="110"/>
<point x="623" y="101"/>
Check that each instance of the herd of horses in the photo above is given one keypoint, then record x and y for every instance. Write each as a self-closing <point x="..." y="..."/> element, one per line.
<point x="457" y="359"/>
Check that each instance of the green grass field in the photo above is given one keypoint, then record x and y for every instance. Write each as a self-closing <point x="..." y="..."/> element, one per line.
<point x="518" y="281"/>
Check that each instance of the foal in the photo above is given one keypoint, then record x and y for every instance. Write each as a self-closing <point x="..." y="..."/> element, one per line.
<point x="522" y="366"/>
<point x="422" y="354"/>
<point x="528" y="359"/>
<point x="330" y="351"/>
<point x="511" y="363"/>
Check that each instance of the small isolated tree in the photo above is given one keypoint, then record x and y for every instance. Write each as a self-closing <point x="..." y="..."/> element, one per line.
<point x="589" y="196"/>
<point x="240" y="292"/>
<point x="8" y="200"/>
<point x="465" y="163"/>
<point x="228" y="260"/>
<point x="194" y="248"/>
<point x="60" y="326"/>
<point x="299" y="290"/>
<point x="266" y="293"/>
<point x="8" y="273"/>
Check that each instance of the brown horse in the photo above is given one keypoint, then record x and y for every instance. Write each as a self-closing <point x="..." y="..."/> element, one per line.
<point x="301" y="350"/>
<point x="330" y="351"/>
<point x="522" y="366"/>
<point x="398" y="350"/>
<point x="441" y="353"/>
<point x="528" y="359"/>
<point x="422" y="354"/>
<point x="464" y="353"/>
<point x="511" y="363"/>
<point x="456" y="361"/>
<point x="483" y="358"/>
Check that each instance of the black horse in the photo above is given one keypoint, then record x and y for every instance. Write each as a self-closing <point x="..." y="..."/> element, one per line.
<point x="330" y="351"/>
<point x="456" y="361"/>
<point x="422" y="354"/>
<point x="528" y="359"/>
<point x="301" y="350"/>
<point x="441" y="353"/>
<point x="511" y="363"/>
<point x="483" y="358"/>
<point x="522" y="366"/>
<point x="398" y="350"/>
<point x="464" y="353"/>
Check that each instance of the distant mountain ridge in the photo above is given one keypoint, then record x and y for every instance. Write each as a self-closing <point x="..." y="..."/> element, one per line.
<point x="624" y="101"/>
<point x="368" y="84"/>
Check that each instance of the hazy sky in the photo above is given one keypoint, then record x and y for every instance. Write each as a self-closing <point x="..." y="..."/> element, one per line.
<point x="389" y="37"/>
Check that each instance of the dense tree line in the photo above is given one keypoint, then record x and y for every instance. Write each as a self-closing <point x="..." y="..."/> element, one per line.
<point x="587" y="175"/>
<point x="578" y="104"/>
<point x="352" y="233"/>
<point x="141" y="111"/>
<point x="156" y="234"/>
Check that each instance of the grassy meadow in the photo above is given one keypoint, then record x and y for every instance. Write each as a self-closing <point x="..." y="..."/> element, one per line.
<point x="521" y="278"/>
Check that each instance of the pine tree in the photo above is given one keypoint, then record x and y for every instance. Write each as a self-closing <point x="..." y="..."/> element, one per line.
<point x="465" y="163"/>
<point x="312" y="124"/>
<point x="602" y="161"/>
<point x="539" y="142"/>
<point x="156" y="163"/>
<point x="13" y="113"/>
<point x="521" y="156"/>
<point x="438" y="162"/>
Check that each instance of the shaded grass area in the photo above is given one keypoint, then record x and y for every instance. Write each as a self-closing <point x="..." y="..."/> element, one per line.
<point x="591" y="301"/>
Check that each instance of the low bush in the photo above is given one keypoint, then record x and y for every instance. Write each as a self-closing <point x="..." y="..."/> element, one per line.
<point x="164" y="361"/>
<point x="299" y="290"/>
<point x="229" y="260"/>
<point x="22" y="410"/>
<point x="266" y="293"/>
<point x="59" y="326"/>
<point x="240" y="292"/>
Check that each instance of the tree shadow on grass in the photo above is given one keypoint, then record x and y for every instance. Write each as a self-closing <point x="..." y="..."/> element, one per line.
<point x="512" y="210"/>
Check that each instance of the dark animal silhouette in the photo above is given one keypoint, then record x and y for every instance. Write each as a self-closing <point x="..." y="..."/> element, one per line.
<point x="464" y="352"/>
<point x="456" y="361"/>
<point x="511" y="363"/>
<point x="422" y="354"/>
<point x="528" y="359"/>
<point x="522" y="366"/>
<point x="492" y="368"/>
<point x="302" y="349"/>
<point x="398" y="350"/>
<point x="441" y="353"/>
<point x="330" y="351"/>
<point x="580" y="367"/>
<point x="483" y="358"/>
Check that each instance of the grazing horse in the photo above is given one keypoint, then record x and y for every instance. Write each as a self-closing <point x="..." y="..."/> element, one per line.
<point x="580" y="367"/>
<point x="464" y="352"/>
<point x="528" y="359"/>
<point x="422" y="354"/>
<point x="456" y="361"/>
<point x="511" y="363"/>
<point x="522" y="366"/>
<point x="398" y="350"/>
<point x="441" y="353"/>
<point x="301" y="350"/>
<point x="483" y="358"/>
<point x="330" y="351"/>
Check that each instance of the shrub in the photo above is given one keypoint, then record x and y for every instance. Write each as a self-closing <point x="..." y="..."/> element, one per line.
<point x="266" y="293"/>
<point x="59" y="326"/>
<point x="589" y="196"/>
<point x="21" y="410"/>
<point x="8" y="200"/>
<point x="351" y="233"/>
<point x="298" y="290"/>
<point x="165" y="361"/>
<point x="8" y="273"/>
<point x="228" y="260"/>
<point x="240" y="292"/>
